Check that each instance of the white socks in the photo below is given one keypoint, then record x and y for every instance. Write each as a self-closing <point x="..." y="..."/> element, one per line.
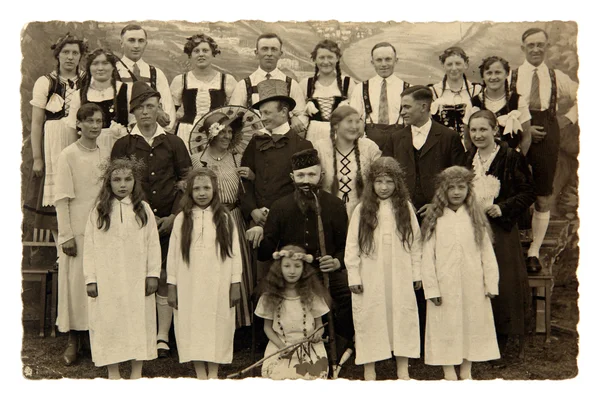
<point x="402" y="368"/>
<point x="465" y="370"/>
<point x="539" y="226"/>
<point x="200" y="367"/>
<point x="113" y="371"/>
<point x="370" y="374"/>
<point x="136" y="369"/>
<point x="165" y="316"/>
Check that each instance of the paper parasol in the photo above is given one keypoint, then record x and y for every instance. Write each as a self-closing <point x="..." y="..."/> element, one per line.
<point x="251" y="123"/>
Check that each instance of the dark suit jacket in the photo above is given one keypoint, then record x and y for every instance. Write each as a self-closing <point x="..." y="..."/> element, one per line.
<point x="441" y="150"/>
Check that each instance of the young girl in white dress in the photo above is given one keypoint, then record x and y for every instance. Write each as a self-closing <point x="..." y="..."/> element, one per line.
<point x="292" y="302"/>
<point x="383" y="258"/>
<point x="121" y="267"/>
<point x="326" y="90"/>
<point x="77" y="187"/>
<point x="460" y="276"/>
<point x="204" y="271"/>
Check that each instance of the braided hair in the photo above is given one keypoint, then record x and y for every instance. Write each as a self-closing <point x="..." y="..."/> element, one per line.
<point x="449" y="52"/>
<point x="485" y="65"/>
<point x="85" y="86"/>
<point x="334" y="48"/>
<point x="57" y="48"/>
<point x="337" y="116"/>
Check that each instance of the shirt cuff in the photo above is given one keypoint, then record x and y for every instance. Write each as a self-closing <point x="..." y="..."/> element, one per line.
<point x="237" y="278"/>
<point x="171" y="280"/>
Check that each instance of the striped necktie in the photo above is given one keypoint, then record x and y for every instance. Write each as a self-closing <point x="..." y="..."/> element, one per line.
<point x="383" y="105"/>
<point x="534" y="97"/>
<point x="136" y="71"/>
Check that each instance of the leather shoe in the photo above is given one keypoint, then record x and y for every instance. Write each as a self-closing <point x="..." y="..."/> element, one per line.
<point x="70" y="354"/>
<point x="163" y="353"/>
<point x="533" y="265"/>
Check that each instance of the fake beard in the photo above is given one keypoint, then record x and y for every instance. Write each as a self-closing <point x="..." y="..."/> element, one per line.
<point x="305" y="198"/>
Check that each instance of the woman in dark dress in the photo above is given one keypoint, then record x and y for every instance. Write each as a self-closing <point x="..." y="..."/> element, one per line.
<point x="504" y="187"/>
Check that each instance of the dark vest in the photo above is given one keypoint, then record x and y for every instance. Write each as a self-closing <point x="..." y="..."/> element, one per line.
<point x="119" y="114"/>
<point x="336" y="100"/>
<point x="132" y="78"/>
<point x="250" y="90"/>
<point x="60" y="88"/>
<point x="218" y="98"/>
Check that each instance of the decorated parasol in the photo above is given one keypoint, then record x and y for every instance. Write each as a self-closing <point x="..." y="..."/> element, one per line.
<point x="247" y="122"/>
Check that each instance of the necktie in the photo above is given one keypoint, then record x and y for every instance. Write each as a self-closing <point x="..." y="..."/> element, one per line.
<point x="268" y="75"/>
<point x="136" y="71"/>
<point x="534" y="96"/>
<point x="383" y="104"/>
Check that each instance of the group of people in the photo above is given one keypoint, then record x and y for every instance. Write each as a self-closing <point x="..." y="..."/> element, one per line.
<point x="387" y="210"/>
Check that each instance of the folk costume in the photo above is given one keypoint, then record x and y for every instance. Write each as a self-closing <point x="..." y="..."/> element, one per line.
<point x="204" y="322"/>
<point x="77" y="182"/>
<point x="423" y="153"/>
<point x="54" y="94"/>
<point x="511" y="113"/>
<point x="324" y="99"/>
<point x="198" y="98"/>
<point x="246" y="92"/>
<point x="386" y="319"/>
<point x="115" y="107"/>
<point x="291" y="322"/>
<point x="346" y="168"/>
<point x="140" y="71"/>
<point x="449" y="106"/>
<point x="455" y="269"/>
<point x="508" y="169"/>
<point x="378" y="104"/>
<point x="122" y="319"/>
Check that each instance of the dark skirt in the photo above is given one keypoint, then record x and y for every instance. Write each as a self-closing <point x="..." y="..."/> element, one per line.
<point x="512" y="306"/>
<point x="42" y="217"/>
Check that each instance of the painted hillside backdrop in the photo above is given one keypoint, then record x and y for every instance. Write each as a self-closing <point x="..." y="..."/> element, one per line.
<point x="418" y="45"/>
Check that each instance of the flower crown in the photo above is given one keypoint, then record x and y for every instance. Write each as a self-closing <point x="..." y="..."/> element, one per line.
<point x="214" y="130"/>
<point x="137" y="166"/>
<point x="61" y="40"/>
<point x="308" y="258"/>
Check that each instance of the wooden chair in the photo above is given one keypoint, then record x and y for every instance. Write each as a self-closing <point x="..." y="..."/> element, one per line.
<point x="47" y="276"/>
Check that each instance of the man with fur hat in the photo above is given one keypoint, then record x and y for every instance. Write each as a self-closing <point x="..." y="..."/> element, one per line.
<point x="293" y="220"/>
<point x="167" y="162"/>
<point x="268" y="155"/>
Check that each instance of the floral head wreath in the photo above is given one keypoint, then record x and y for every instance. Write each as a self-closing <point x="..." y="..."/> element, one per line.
<point x="60" y="42"/>
<point x="137" y="166"/>
<point x="308" y="258"/>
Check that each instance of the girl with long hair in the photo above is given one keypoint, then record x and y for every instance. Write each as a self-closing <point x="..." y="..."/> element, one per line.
<point x="203" y="88"/>
<point x="204" y="271"/>
<point x="460" y="276"/>
<point x="51" y="100"/>
<point x="101" y="86"/>
<point x="509" y="108"/>
<point x="452" y="97"/>
<point x="346" y="156"/>
<point x="326" y="89"/>
<point x="383" y="257"/>
<point x="504" y="188"/>
<point x="121" y="267"/>
<point x="292" y="302"/>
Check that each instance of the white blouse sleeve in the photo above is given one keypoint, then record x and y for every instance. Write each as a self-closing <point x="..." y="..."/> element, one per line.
<point x="154" y="259"/>
<point x="490" y="266"/>
<point x="236" y="259"/>
<point x="262" y="310"/>
<point x="416" y="251"/>
<point x="319" y="307"/>
<point x="40" y="92"/>
<point x="352" y="253"/>
<point x="177" y="90"/>
<point x="89" y="255"/>
<point x="174" y="258"/>
<point x="428" y="274"/>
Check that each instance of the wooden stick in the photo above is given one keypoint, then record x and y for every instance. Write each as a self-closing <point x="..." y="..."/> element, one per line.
<point x="262" y="360"/>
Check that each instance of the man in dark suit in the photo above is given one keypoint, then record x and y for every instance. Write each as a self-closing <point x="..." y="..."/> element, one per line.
<point x="423" y="148"/>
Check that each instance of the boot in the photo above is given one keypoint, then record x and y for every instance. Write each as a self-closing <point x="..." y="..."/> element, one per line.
<point x="70" y="354"/>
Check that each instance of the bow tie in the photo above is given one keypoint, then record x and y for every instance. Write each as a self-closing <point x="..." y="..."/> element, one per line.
<point x="266" y="141"/>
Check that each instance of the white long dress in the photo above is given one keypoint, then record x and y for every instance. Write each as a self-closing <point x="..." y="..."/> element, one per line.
<point x="77" y="182"/>
<point x="455" y="269"/>
<point x="289" y="321"/>
<point x="204" y="322"/>
<point x="385" y="315"/>
<point x="122" y="319"/>
<point x="346" y="169"/>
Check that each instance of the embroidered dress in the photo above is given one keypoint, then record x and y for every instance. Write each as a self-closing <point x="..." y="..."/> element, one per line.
<point x="385" y="315"/>
<point x="293" y="321"/>
<point x="122" y="319"/>
<point x="77" y="182"/>
<point x="204" y="322"/>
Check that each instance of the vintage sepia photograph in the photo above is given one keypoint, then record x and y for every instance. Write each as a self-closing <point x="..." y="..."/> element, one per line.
<point x="302" y="200"/>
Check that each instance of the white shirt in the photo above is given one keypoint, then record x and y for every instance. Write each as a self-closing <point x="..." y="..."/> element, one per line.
<point x="395" y="86"/>
<point x="565" y="87"/>
<point x="159" y="131"/>
<point x="162" y="85"/>
<point x="239" y="95"/>
<point x="419" y="134"/>
<point x="280" y="130"/>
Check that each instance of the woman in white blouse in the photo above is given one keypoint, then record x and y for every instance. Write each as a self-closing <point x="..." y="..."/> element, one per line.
<point x="346" y="157"/>
<point x="326" y="90"/>
<point x="201" y="89"/>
